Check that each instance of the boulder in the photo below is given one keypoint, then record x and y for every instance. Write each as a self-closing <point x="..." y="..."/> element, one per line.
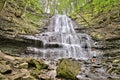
<point x="96" y="66"/>
<point x="37" y="64"/>
<point x="113" y="78"/>
<point x="44" y="77"/>
<point x="25" y="78"/>
<point x="116" y="61"/>
<point x="23" y="65"/>
<point x="68" y="69"/>
<point x="2" y="77"/>
<point x="22" y="74"/>
<point x="111" y="69"/>
<point x="5" y="69"/>
<point x="35" y="73"/>
<point x="6" y="57"/>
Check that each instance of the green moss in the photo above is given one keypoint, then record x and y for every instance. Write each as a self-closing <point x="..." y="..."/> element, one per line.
<point x="32" y="16"/>
<point x="36" y="67"/>
<point x="2" y="2"/>
<point x="96" y="36"/>
<point x="68" y="69"/>
<point x="35" y="72"/>
<point x="37" y="64"/>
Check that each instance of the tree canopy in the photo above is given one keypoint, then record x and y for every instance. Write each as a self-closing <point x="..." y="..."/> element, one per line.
<point x="71" y="6"/>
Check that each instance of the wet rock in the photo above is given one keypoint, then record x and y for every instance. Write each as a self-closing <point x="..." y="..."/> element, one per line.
<point x="111" y="54"/>
<point x="111" y="69"/>
<point x="68" y="69"/>
<point x="115" y="65"/>
<point x="109" y="78"/>
<point x="5" y="69"/>
<point x="113" y="38"/>
<point x="108" y="61"/>
<point x="53" y="45"/>
<point x="87" y="62"/>
<point x="96" y="66"/>
<point x="51" y="67"/>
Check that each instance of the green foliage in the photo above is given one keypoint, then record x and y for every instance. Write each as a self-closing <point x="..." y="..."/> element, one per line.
<point x="99" y="6"/>
<point x="33" y="4"/>
<point x="71" y="6"/>
<point x="67" y="6"/>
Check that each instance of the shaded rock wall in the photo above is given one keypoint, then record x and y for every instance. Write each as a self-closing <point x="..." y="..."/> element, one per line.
<point x="13" y="24"/>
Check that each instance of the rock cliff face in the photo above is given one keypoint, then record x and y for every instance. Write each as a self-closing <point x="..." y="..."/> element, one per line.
<point x="106" y="34"/>
<point x="13" y="24"/>
<point x="104" y="29"/>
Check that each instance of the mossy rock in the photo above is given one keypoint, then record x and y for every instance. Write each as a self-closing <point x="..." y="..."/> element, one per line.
<point x="68" y="69"/>
<point x="2" y="3"/>
<point x="35" y="73"/>
<point x="37" y="64"/>
<point x="97" y="36"/>
<point x="111" y="70"/>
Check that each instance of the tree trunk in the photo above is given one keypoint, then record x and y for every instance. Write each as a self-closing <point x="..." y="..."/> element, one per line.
<point x="108" y="17"/>
<point x="84" y="19"/>
<point x="2" y="4"/>
<point x="23" y="11"/>
<point x="119" y="11"/>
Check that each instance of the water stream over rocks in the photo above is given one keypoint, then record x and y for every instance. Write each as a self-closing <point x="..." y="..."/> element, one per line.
<point x="61" y="41"/>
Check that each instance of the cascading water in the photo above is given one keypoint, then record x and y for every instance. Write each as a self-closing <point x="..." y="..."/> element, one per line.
<point x="61" y="40"/>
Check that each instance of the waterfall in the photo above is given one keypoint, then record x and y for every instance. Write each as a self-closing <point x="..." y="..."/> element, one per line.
<point x="61" y="40"/>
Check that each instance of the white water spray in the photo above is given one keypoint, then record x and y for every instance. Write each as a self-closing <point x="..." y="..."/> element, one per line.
<point x="69" y="44"/>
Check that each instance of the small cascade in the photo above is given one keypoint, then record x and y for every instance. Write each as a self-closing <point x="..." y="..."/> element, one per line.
<point x="61" y="40"/>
